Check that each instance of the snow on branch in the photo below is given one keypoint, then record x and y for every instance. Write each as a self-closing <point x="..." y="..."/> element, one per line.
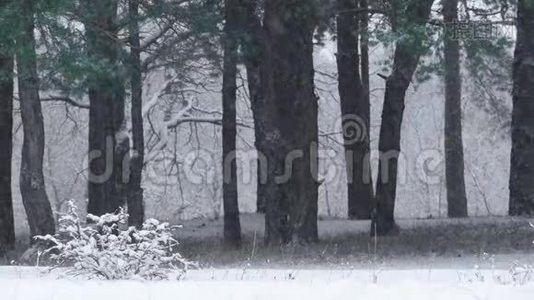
<point x="164" y="129"/>
<point x="66" y="100"/>
<point x="153" y="101"/>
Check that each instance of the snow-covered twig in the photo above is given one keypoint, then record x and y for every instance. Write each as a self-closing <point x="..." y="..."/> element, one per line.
<point x="107" y="249"/>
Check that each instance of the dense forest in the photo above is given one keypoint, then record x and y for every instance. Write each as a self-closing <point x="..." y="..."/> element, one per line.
<point x="128" y="104"/>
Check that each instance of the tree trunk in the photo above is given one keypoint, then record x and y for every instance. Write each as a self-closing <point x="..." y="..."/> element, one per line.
<point x="108" y="140"/>
<point x="454" y="152"/>
<point x="32" y="184"/>
<point x="136" y="209"/>
<point x="364" y="46"/>
<point x="522" y="161"/>
<point x="406" y="57"/>
<point x="251" y="44"/>
<point x="7" y="225"/>
<point x="232" y="226"/>
<point x="355" y="111"/>
<point x="290" y="122"/>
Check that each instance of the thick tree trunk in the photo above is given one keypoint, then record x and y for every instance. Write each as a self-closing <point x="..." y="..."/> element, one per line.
<point x="522" y="162"/>
<point x="7" y="225"/>
<point x="108" y="140"/>
<point x="32" y="184"/>
<point x="232" y="226"/>
<point x="251" y="44"/>
<point x="355" y="111"/>
<point x="136" y="209"/>
<point x="290" y="122"/>
<point x="454" y="152"/>
<point x="407" y="53"/>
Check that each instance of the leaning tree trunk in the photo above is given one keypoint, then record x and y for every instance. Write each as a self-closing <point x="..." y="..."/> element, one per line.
<point x="291" y="127"/>
<point x="251" y="44"/>
<point x="136" y="211"/>
<point x="7" y="225"/>
<point x="522" y="161"/>
<point x="412" y="19"/>
<point x="355" y="111"/>
<point x="108" y="139"/>
<point x="232" y="226"/>
<point x="32" y="184"/>
<point x="454" y="152"/>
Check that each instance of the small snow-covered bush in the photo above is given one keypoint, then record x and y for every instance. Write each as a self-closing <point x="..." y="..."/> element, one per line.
<point x="516" y="275"/>
<point x="108" y="249"/>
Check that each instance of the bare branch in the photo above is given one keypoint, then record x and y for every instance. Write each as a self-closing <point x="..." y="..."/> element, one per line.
<point x="67" y="100"/>
<point x="154" y="39"/>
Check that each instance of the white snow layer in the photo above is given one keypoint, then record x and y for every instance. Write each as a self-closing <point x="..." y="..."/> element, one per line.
<point x="23" y="283"/>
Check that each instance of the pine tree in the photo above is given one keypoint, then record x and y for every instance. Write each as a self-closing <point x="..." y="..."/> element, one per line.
<point x="355" y="111"/>
<point x="291" y="121"/>
<point x="108" y="141"/>
<point x="454" y="152"/>
<point x="7" y="225"/>
<point x="32" y="183"/>
<point x="136" y="209"/>
<point x="409" y="21"/>
<point x="232" y="226"/>
<point x="522" y="161"/>
<point x="252" y="48"/>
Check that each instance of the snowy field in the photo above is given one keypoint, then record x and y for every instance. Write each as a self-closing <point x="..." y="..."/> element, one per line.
<point x="429" y="259"/>
<point x="28" y="283"/>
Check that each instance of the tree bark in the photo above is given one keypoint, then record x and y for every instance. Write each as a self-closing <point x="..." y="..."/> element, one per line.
<point x="136" y="209"/>
<point x="7" y="225"/>
<point x="355" y="111"/>
<point x="454" y="152"/>
<point x="290" y="122"/>
<point x="232" y="226"/>
<point x="364" y="51"/>
<point x="32" y="184"/>
<point x="411" y="20"/>
<point x="522" y="161"/>
<point x="108" y="141"/>
<point x="251" y="44"/>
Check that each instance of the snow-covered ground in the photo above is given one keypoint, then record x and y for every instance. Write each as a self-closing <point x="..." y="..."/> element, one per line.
<point x="27" y="283"/>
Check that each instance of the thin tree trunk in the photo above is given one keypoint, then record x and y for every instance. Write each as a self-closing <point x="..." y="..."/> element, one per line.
<point x="291" y="127"/>
<point x="407" y="53"/>
<point x="7" y="225"/>
<point x="364" y="57"/>
<point x="108" y="139"/>
<point x="251" y="44"/>
<point x="32" y="184"/>
<point x="136" y="210"/>
<point x="454" y="152"/>
<point x="232" y="226"/>
<point x="355" y="112"/>
<point x="364" y="51"/>
<point x="522" y="161"/>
